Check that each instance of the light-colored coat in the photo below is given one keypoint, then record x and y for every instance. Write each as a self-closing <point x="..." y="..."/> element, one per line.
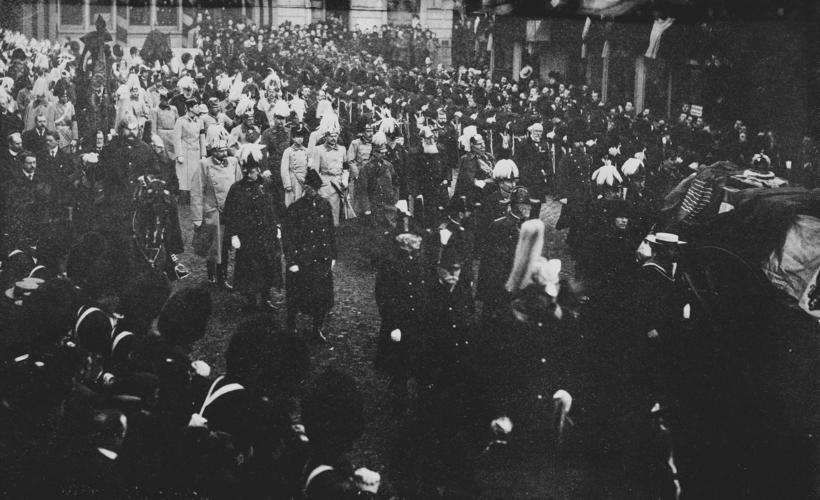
<point x="208" y="193"/>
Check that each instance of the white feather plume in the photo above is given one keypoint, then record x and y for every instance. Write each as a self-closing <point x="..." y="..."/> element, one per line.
<point x="251" y="150"/>
<point x="467" y="134"/>
<point x="606" y="175"/>
<point x="329" y="124"/>
<point x="244" y="105"/>
<point x="631" y="166"/>
<point x="235" y="93"/>
<point x="281" y="108"/>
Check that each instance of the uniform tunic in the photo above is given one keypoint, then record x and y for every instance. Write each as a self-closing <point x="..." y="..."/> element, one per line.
<point x="473" y="167"/>
<point x="448" y="320"/>
<point x="358" y="154"/>
<point x="250" y="215"/>
<point x="208" y="193"/>
<point x="187" y="146"/>
<point x="310" y="243"/>
<point x="293" y="170"/>
<point x="401" y="285"/>
<point x="378" y="191"/>
<point x="497" y="257"/>
<point x="329" y="162"/>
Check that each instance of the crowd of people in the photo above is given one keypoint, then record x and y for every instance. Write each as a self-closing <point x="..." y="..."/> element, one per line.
<point x="276" y="139"/>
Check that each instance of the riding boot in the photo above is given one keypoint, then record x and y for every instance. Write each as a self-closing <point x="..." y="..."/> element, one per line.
<point x="211" y="266"/>
<point x="222" y="277"/>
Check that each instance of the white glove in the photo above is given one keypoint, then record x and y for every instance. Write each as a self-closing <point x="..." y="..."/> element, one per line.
<point x="563" y="201"/>
<point x="201" y="368"/>
<point x="235" y="242"/>
<point x="395" y="335"/>
<point x="367" y="480"/>
<point x="266" y="174"/>
<point x="502" y="425"/>
<point x="293" y="269"/>
<point x="332" y="264"/>
<point x="278" y="233"/>
<point x="197" y="420"/>
<point x="197" y="223"/>
<point x="479" y="183"/>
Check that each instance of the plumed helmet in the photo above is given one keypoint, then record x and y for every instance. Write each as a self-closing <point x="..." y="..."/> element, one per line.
<point x="505" y="170"/>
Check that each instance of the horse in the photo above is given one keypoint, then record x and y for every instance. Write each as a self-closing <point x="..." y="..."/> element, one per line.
<point x="150" y="219"/>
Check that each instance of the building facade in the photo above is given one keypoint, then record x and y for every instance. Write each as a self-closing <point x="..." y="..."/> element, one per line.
<point x="130" y="21"/>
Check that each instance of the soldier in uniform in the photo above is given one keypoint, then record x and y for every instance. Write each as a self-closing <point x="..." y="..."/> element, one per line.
<point x="294" y="164"/>
<point x="401" y="282"/>
<point x="534" y="163"/>
<point x="448" y="319"/>
<point x="378" y="185"/>
<point x="498" y="251"/>
<point x="573" y="187"/>
<point x="358" y="154"/>
<point x="453" y="230"/>
<point x="329" y="161"/>
<point x="310" y="252"/>
<point x="252" y="228"/>
<point x="217" y="173"/>
<point x="475" y="167"/>
<point x="189" y="147"/>
<point x="276" y="140"/>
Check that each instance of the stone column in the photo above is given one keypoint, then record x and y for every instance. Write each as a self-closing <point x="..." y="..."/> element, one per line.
<point x="640" y="83"/>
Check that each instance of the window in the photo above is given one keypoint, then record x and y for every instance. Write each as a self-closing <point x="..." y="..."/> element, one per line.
<point x="401" y="11"/>
<point x="139" y="12"/>
<point x="167" y="12"/>
<point x="100" y="8"/>
<point x="71" y="12"/>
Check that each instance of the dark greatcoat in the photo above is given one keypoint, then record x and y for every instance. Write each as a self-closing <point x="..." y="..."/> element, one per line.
<point x="497" y="257"/>
<point x="573" y="179"/>
<point x="469" y="171"/>
<point x="309" y="243"/>
<point x="249" y="214"/>
<point x="428" y="173"/>
<point x="535" y="167"/>
<point x="401" y="285"/>
<point x="448" y="322"/>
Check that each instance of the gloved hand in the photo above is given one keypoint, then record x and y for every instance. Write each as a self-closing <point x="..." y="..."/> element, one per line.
<point x="197" y="223"/>
<point x="293" y="269"/>
<point x="332" y="264"/>
<point x="235" y="242"/>
<point x="395" y="335"/>
<point x="367" y="480"/>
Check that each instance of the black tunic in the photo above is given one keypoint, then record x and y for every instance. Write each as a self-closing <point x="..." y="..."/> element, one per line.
<point x="309" y="243"/>
<point x="250" y="215"/>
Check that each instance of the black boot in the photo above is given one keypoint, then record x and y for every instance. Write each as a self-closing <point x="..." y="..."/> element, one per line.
<point x="211" y="267"/>
<point x="222" y="277"/>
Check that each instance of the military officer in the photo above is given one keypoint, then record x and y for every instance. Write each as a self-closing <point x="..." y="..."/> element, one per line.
<point x="498" y="251"/>
<point x="401" y="282"/>
<point x="448" y="319"/>
<point x="310" y="251"/>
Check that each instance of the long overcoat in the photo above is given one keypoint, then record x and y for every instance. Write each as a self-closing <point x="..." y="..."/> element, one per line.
<point x="310" y="243"/>
<point x="250" y="215"/>
<point x="401" y="285"/>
